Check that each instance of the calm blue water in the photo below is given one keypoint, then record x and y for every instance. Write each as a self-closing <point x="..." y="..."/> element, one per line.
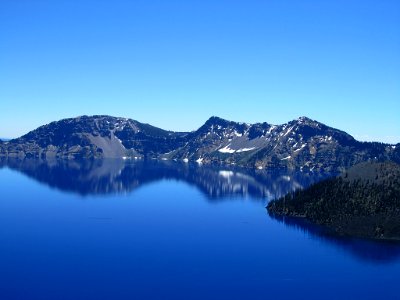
<point x="116" y="230"/>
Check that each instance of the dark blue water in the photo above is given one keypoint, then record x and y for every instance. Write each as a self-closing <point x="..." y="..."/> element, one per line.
<point x="117" y="230"/>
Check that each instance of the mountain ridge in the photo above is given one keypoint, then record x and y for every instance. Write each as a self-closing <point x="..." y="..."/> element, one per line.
<point x="302" y="143"/>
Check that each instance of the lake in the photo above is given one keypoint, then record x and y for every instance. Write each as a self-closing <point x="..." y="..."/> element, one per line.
<point x="115" y="229"/>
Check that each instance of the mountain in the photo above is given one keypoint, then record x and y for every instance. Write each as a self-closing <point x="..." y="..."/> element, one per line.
<point x="302" y="143"/>
<point x="363" y="201"/>
<point x="93" y="137"/>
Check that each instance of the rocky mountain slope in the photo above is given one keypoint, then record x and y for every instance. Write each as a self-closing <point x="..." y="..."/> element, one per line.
<point x="364" y="201"/>
<point x="302" y="143"/>
<point x="93" y="137"/>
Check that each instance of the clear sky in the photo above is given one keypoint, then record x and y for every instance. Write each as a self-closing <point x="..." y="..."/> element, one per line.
<point x="174" y="64"/>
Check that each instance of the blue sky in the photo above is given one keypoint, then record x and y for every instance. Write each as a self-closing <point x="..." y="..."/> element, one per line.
<point x="174" y="64"/>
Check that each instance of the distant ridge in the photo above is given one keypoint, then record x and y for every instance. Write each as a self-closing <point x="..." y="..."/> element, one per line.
<point x="302" y="143"/>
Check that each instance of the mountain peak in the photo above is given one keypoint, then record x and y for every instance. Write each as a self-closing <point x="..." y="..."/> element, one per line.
<point x="303" y="120"/>
<point x="216" y="119"/>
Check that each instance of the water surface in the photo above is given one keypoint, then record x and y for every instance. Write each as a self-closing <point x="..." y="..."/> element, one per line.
<point x="161" y="230"/>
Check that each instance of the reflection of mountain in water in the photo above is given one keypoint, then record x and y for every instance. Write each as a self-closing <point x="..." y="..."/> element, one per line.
<point x="94" y="177"/>
<point x="365" y="250"/>
<point x="102" y="177"/>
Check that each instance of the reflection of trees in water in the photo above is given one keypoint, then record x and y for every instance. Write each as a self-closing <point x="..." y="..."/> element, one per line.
<point x="377" y="252"/>
<point x="96" y="177"/>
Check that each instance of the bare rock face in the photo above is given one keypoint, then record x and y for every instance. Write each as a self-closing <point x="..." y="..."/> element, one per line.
<point x="302" y="143"/>
<point x="92" y="137"/>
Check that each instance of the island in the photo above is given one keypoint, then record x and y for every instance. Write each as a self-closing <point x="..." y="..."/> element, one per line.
<point x="363" y="201"/>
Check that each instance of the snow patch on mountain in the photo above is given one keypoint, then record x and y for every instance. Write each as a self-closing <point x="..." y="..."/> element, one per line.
<point x="226" y="149"/>
<point x="245" y="149"/>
